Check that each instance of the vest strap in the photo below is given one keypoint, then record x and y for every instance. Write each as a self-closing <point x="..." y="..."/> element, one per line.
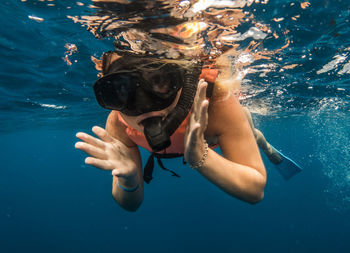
<point x="149" y="167"/>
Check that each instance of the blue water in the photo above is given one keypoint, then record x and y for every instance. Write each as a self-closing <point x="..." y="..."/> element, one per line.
<point x="51" y="202"/>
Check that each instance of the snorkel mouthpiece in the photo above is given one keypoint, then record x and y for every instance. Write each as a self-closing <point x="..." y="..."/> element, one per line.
<point x="156" y="137"/>
<point x="158" y="131"/>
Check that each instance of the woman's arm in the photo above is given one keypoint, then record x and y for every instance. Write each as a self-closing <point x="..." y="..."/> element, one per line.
<point x="130" y="201"/>
<point x="240" y="171"/>
<point x="114" y="151"/>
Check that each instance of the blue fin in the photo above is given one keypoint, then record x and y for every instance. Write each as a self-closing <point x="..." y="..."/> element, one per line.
<point x="287" y="168"/>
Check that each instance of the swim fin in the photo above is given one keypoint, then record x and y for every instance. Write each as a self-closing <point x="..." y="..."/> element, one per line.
<point x="287" y="167"/>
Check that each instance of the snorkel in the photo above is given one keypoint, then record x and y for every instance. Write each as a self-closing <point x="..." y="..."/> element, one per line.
<point x="157" y="130"/>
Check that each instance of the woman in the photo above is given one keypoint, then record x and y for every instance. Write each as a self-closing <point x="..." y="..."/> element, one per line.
<point x="239" y="171"/>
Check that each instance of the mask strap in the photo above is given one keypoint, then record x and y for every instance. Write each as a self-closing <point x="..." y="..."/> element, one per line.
<point x="149" y="167"/>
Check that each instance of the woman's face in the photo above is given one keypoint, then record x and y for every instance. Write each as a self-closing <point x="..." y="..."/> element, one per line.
<point x="160" y="82"/>
<point x="134" y="121"/>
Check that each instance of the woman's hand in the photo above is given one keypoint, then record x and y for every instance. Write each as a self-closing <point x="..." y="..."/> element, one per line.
<point x="107" y="153"/>
<point x="194" y="138"/>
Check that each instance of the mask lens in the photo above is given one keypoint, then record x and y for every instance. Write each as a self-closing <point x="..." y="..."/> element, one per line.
<point x="163" y="81"/>
<point x="142" y="101"/>
<point x="112" y="91"/>
<point x="135" y="92"/>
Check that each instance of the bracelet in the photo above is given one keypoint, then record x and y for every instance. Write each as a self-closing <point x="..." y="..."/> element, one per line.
<point x="129" y="189"/>
<point x="204" y="157"/>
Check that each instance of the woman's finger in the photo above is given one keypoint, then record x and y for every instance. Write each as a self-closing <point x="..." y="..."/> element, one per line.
<point x="91" y="150"/>
<point x="91" y="140"/>
<point x="200" y="96"/>
<point x="203" y="120"/>
<point x="192" y="134"/>
<point x="102" y="164"/>
<point x="196" y="97"/>
<point x="102" y="134"/>
<point x="203" y="90"/>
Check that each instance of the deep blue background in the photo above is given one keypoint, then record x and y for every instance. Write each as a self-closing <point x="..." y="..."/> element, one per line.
<point x="51" y="202"/>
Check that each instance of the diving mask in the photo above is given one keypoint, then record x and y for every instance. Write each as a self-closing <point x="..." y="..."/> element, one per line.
<point x="134" y="92"/>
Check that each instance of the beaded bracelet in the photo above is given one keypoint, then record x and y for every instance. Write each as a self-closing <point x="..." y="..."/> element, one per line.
<point x="204" y="157"/>
<point x="129" y="189"/>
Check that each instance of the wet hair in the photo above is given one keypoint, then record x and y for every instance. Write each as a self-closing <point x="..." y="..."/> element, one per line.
<point x="132" y="63"/>
<point x="229" y="80"/>
<point x="226" y="84"/>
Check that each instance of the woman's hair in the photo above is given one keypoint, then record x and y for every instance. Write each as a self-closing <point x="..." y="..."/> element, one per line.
<point x="229" y="79"/>
<point x="227" y="83"/>
<point x="129" y="62"/>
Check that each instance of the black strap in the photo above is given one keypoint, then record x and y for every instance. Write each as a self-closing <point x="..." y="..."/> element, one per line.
<point x="148" y="169"/>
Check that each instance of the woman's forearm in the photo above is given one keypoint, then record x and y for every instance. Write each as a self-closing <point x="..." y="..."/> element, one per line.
<point x="237" y="180"/>
<point x="128" y="193"/>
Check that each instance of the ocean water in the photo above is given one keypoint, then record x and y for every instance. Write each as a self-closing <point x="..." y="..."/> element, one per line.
<point x="298" y="91"/>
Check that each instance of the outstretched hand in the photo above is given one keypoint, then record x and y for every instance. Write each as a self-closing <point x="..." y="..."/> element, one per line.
<point x="107" y="153"/>
<point x="194" y="138"/>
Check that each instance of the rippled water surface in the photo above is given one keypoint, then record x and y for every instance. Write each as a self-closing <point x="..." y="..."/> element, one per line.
<point x="293" y="61"/>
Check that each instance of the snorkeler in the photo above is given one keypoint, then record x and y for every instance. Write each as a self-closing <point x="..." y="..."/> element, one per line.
<point x="159" y="104"/>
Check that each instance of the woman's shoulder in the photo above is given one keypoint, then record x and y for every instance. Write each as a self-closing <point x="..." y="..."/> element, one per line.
<point x="224" y="114"/>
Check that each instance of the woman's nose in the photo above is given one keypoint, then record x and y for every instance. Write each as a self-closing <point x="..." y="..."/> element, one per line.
<point x="157" y="79"/>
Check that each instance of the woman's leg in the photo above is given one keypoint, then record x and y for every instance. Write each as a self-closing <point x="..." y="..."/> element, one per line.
<point x="270" y="152"/>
